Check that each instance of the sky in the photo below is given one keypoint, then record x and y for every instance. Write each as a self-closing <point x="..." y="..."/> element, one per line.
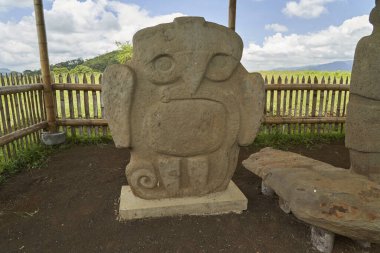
<point x="276" y="33"/>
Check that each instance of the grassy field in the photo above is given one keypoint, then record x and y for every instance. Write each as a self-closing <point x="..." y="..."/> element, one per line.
<point x="330" y="109"/>
<point x="268" y="74"/>
<point x="306" y="74"/>
<point x="78" y="98"/>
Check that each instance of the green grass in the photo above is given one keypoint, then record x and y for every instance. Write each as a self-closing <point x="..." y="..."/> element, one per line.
<point x="34" y="157"/>
<point x="326" y="103"/>
<point x="299" y="74"/>
<point x="78" y="98"/>
<point x="285" y="141"/>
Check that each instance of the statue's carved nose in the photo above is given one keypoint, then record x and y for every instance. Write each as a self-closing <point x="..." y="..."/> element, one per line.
<point x="194" y="74"/>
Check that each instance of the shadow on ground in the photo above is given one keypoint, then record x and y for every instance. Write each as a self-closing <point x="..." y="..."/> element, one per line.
<point x="71" y="206"/>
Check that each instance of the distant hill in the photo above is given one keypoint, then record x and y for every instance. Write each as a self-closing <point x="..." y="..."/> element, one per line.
<point x="5" y="71"/>
<point x="332" y="66"/>
<point x="98" y="63"/>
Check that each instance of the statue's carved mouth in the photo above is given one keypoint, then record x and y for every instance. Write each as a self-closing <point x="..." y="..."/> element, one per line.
<point x="186" y="127"/>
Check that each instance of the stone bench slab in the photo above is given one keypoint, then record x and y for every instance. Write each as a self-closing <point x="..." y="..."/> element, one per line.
<point x="320" y="194"/>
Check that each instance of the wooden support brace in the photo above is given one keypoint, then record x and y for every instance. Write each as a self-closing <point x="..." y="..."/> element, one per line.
<point x="7" y="90"/>
<point x="21" y="133"/>
<point x="82" y="122"/>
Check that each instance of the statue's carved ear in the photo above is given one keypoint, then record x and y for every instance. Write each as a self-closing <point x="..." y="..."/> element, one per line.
<point x="251" y="108"/>
<point x="118" y="88"/>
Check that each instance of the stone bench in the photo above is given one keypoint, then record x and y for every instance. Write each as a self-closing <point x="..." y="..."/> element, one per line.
<point x="332" y="200"/>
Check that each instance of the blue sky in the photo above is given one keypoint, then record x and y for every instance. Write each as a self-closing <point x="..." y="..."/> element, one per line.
<point x="276" y="33"/>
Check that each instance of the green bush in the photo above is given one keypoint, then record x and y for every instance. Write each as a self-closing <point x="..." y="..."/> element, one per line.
<point x="125" y="52"/>
<point x="60" y="70"/>
<point x="99" y="63"/>
<point x="81" y="69"/>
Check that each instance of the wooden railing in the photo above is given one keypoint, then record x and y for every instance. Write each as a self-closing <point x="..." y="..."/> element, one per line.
<point x="22" y="113"/>
<point x="306" y="105"/>
<point x="79" y="108"/>
<point x="293" y="105"/>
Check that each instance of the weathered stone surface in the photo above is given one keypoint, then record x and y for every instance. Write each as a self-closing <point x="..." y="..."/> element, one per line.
<point x="183" y="105"/>
<point x="363" y="111"/>
<point x="322" y="195"/>
<point x="284" y="205"/>
<point x="363" y="124"/>
<point x="232" y="200"/>
<point x="366" y="164"/>
<point x="267" y="191"/>
<point x="365" y="71"/>
<point x="366" y="246"/>
<point x="322" y="240"/>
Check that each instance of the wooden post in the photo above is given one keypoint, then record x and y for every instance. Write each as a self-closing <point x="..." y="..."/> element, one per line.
<point x="45" y="69"/>
<point x="232" y="15"/>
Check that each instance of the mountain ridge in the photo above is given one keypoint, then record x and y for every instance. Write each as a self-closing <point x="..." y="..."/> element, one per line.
<point x="5" y="71"/>
<point x="99" y="63"/>
<point x="331" y="66"/>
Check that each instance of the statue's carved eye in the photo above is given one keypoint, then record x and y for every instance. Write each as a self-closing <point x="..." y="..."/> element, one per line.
<point x="220" y="67"/>
<point x="164" y="63"/>
<point x="162" y="70"/>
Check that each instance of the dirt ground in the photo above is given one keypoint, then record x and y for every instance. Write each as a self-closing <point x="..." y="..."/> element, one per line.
<point x="71" y="206"/>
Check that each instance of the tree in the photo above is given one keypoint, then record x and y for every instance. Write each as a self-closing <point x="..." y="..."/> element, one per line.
<point x="70" y="64"/>
<point x="14" y="73"/>
<point x="125" y="52"/>
<point x="60" y="70"/>
<point x="100" y="62"/>
<point x="27" y="72"/>
<point x="80" y="69"/>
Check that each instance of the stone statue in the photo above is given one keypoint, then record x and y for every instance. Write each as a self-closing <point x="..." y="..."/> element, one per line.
<point x="363" y="112"/>
<point x="183" y="105"/>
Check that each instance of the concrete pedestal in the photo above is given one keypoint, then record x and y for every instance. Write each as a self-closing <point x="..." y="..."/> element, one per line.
<point x="232" y="200"/>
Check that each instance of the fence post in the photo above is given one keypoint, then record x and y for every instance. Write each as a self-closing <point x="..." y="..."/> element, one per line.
<point x="45" y="69"/>
<point x="232" y="15"/>
<point x="52" y="137"/>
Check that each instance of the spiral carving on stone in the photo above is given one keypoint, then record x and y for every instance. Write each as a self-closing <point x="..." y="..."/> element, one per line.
<point x="144" y="178"/>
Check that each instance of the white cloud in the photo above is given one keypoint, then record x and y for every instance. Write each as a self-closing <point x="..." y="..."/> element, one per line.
<point x="9" y="4"/>
<point x="331" y="44"/>
<point x="276" y="28"/>
<point x="306" y="8"/>
<point x="75" y="29"/>
<point x="89" y="28"/>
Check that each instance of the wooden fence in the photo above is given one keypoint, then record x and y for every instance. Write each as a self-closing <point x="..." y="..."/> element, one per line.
<point x="293" y="105"/>
<point x="22" y="113"/>
<point x="79" y="110"/>
<point x="306" y="105"/>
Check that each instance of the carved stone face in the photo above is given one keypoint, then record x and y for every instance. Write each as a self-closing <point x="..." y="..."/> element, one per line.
<point x="183" y="104"/>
